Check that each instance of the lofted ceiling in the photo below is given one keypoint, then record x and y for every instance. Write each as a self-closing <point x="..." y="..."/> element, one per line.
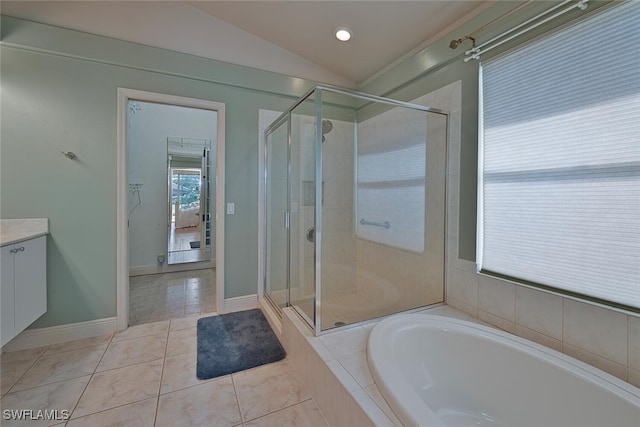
<point x="289" y="37"/>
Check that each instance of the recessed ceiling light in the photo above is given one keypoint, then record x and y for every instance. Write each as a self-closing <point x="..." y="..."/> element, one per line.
<point x="343" y="34"/>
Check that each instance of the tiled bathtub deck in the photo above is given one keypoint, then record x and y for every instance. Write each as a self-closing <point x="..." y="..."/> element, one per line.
<point x="344" y="354"/>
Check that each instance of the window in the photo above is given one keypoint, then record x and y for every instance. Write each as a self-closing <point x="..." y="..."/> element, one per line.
<point x="560" y="160"/>
<point x="391" y="178"/>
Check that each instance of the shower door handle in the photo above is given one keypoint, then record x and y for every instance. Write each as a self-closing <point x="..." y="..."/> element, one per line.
<point x="286" y="220"/>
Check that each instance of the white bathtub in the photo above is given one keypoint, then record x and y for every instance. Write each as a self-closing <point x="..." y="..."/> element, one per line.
<point x="436" y="371"/>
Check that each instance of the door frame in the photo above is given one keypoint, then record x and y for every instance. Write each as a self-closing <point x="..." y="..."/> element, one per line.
<point x="122" y="203"/>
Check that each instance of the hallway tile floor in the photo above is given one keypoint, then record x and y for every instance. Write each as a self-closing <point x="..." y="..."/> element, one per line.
<point x="156" y="297"/>
<point x="145" y="376"/>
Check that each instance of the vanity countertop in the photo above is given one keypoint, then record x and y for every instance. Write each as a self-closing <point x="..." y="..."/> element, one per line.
<point x="18" y="230"/>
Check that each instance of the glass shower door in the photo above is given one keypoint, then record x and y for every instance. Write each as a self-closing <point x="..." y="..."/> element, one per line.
<point x="302" y="288"/>
<point x="277" y="246"/>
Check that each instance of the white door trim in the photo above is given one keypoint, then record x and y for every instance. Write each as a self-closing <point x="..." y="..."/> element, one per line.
<point x="122" y="214"/>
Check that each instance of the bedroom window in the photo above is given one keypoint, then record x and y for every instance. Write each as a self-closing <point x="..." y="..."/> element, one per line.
<point x="185" y="191"/>
<point x="559" y="160"/>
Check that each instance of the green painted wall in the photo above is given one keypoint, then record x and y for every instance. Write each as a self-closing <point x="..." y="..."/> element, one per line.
<point x="58" y="93"/>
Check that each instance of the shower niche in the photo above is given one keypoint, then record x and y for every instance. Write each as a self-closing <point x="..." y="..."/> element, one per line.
<point x="354" y="207"/>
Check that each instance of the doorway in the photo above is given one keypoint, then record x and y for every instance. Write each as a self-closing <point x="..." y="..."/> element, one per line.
<point x="135" y="195"/>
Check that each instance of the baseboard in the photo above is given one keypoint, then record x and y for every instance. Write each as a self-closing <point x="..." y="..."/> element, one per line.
<point x="242" y="303"/>
<point x="32" y="338"/>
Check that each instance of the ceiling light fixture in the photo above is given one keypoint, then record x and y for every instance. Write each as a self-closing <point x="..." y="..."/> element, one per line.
<point x="343" y="34"/>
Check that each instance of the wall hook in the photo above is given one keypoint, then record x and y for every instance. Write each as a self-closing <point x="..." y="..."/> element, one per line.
<point x="69" y="155"/>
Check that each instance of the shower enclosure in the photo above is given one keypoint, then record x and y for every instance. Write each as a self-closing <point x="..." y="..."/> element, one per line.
<point x="354" y="207"/>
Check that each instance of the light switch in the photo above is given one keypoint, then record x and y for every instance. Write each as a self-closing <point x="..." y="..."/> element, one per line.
<point x="231" y="208"/>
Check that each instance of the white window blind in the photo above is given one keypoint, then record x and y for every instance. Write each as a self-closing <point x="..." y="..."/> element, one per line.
<point x="560" y="159"/>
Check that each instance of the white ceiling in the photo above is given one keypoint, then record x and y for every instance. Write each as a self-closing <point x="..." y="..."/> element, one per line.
<point x="290" y="37"/>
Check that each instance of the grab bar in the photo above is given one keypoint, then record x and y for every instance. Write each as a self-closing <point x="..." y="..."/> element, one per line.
<point x="385" y="224"/>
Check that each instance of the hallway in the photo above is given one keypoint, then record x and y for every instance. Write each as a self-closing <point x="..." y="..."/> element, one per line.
<point x="157" y="297"/>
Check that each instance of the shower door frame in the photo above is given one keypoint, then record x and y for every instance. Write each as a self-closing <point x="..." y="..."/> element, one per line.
<point x="318" y="90"/>
<point x="275" y="125"/>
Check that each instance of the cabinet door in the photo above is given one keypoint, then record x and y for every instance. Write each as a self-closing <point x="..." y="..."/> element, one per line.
<point x="6" y="296"/>
<point x="30" y="282"/>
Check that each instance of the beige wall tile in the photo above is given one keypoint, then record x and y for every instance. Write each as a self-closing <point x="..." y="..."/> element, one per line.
<point x="539" y="311"/>
<point x="377" y="397"/>
<point x="634" y="377"/>
<point x="372" y="411"/>
<point x="634" y="342"/>
<point x="539" y="338"/>
<point x="350" y="340"/>
<point x="497" y="297"/>
<point x="496" y="321"/>
<point x="613" y="368"/>
<point x="465" y="308"/>
<point x="597" y="330"/>
<point x="345" y="378"/>
<point x="463" y="286"/>
<point x="357" y="365"/>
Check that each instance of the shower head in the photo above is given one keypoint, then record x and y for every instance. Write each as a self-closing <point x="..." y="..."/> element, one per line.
<point x="326" y="127"/>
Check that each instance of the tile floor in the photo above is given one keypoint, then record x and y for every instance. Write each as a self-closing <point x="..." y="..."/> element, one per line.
<point x="156" y="297"/>
<point x="145" y="376"/>
<point x="179" y="248"/>
<point x="179" y="238"/>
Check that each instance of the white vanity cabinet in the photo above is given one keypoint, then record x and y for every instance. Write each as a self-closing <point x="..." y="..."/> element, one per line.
<point x="23" y="286"/>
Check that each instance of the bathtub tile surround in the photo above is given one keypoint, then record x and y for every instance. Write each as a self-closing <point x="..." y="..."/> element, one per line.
<point x="538" y="311"/>
<point x="335" y="369"/>
<point x="594" y="329"/>
<point x="596" y="335"/>
<point x="112" y="378"/>
<point x="634" y="350"/>
<point x="334" y="399"/>
<point x="346" y="371"/>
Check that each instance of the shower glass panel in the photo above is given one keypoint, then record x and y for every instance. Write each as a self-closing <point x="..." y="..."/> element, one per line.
<point x="302" y="211"/>
<point x="276" y="210"/>
<point x="366" y="206"/>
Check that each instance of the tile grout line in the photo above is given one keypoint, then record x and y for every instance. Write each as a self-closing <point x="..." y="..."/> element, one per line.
<point x="53" y="382"/>
<point x="235" y="393"/>
<point x="164" y="362"/>
<point x="91" y="377"/>
<point x="285" y="408"/>
<point x="25" y="372"/>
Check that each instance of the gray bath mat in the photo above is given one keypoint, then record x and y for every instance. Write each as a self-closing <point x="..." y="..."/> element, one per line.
<point x="234" y="342"/>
